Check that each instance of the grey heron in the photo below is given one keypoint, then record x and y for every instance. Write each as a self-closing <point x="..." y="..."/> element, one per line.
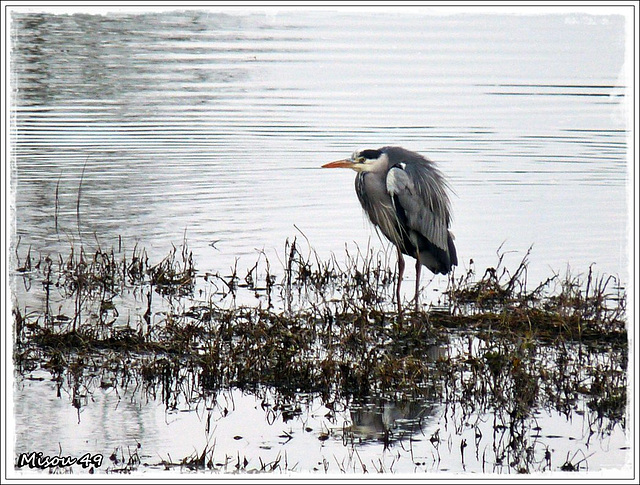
<point x="405" y="196"/>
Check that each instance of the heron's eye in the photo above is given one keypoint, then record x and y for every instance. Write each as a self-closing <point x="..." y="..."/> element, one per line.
<point x="360" y="160"/>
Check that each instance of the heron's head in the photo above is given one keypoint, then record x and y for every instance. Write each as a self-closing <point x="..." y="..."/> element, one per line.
<point x="363" y="161"/>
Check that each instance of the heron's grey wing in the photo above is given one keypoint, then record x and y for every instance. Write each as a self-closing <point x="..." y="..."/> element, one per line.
<point x="421" y="202"/>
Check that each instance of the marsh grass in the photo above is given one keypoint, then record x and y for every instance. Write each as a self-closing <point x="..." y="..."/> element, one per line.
<point x="572" y="307"/>
<point x="327" y="328"/>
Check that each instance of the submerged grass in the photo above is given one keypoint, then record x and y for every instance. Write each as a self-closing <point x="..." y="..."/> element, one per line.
<point x="328" y="328"/>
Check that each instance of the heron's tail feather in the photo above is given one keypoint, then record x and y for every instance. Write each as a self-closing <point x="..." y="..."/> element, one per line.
<point x="437" y="259"/>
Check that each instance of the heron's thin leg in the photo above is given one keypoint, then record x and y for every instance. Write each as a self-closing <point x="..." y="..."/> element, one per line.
<point x="418" y="269"/>
<point x="400" y="273"/>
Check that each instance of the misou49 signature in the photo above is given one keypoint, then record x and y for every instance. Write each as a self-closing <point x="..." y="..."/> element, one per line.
<point x="42" y="461"/>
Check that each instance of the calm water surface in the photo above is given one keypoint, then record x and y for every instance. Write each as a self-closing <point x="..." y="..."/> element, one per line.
<point x="151" y="128"/>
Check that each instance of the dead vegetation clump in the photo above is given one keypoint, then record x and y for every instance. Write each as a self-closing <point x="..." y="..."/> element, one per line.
<point x="573" y="308"/>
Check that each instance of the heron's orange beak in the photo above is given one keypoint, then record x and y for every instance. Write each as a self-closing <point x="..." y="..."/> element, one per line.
<point x="346" y="163"/>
